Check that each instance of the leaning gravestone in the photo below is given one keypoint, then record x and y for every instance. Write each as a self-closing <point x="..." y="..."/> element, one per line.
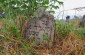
<point x="41" y="25"/>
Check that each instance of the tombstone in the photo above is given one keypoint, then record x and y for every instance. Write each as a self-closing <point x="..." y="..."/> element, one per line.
<point x="82" y="22"/>
<point x="76" y="17"/>
<point x="41" y="24"/>
<point x="67" y="18"/>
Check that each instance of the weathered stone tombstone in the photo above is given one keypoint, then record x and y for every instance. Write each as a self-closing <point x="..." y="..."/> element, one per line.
<point x="67" y="18"/>
<point x="82" y="22"/>
<point x="41" y="23"/>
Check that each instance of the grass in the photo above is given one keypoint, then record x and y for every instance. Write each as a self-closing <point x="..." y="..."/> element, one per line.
<point x="68" y="39"/>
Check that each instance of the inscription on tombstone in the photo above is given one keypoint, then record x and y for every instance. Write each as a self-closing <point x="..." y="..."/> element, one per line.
<point x="41" y="23"/>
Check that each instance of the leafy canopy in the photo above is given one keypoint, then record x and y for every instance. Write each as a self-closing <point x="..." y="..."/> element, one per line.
<point x="28" y="6"/>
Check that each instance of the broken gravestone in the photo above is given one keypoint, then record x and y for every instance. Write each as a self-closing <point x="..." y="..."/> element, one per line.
<point x="40" y="26"/>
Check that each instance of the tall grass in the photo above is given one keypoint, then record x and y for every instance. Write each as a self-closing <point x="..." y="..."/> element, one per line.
<point x="12" y="40"/>
<point x="63" y="28"/>
<point x="68" y="39"/>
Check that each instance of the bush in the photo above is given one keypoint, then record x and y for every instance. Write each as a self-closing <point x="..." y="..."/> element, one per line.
<point x="81" y="31"/>
<point x="63" y="29"/>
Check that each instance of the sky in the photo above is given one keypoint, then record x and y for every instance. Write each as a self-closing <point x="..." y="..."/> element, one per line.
<point x="70" y="4"/>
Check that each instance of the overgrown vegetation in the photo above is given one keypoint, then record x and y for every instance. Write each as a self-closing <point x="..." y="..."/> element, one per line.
<point x="26" y="7"/>
<point x="68" y="40"/>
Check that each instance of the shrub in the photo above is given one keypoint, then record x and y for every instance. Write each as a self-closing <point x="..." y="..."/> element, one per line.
<point x="81" y="31"/>
<point x="63" y="29"/>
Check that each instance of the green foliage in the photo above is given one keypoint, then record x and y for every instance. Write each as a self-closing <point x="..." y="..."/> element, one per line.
<point x="45" y="37"/>
<point x="83" y="52"/>
<point x="11" y="33"/>
<point x="81" y="31"/>
<point x="27" y="7"/>
<point x="1" y="9"/>
<point x="63" y="29"/>
<point x="11" y="28"/>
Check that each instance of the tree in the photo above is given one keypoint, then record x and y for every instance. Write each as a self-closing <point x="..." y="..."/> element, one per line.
<point x="28" y="6"/>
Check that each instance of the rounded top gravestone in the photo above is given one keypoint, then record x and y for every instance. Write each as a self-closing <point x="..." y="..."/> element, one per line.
<point x="41" y="26"/>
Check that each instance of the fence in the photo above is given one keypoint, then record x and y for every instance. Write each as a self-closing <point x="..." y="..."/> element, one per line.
<point x="75" y="9"/>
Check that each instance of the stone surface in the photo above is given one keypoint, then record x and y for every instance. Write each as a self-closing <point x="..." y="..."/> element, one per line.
<point x="40" y="25"/>
<point x="82" y="22"/>
<point x="67" y="18"/>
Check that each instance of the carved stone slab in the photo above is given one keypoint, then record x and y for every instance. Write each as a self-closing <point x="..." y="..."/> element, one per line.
<point x="41" y="23"/>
